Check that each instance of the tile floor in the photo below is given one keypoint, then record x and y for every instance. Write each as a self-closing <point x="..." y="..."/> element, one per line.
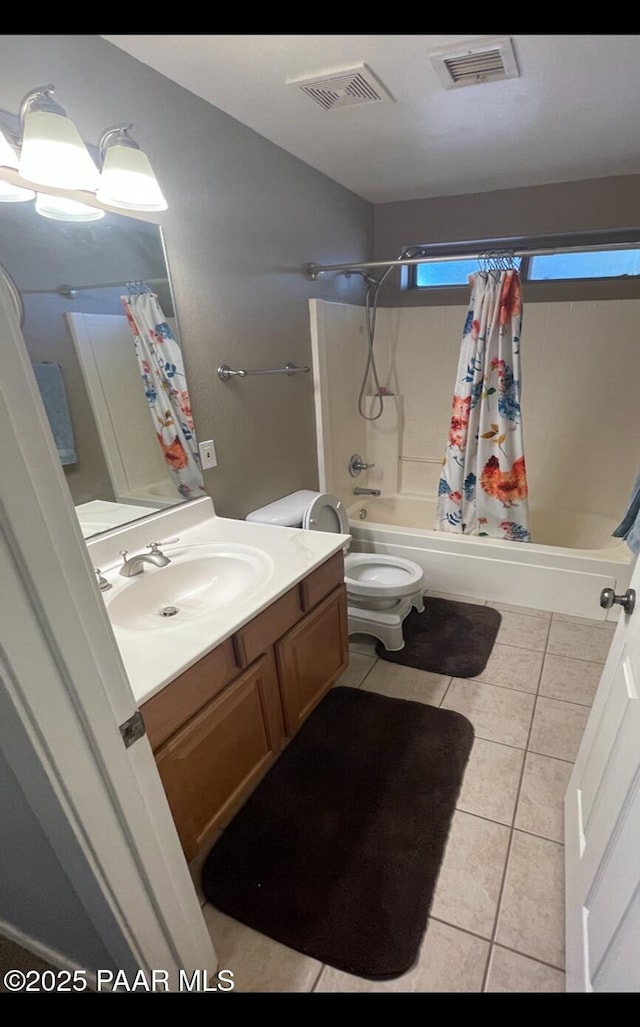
<point x="497" y="919"/>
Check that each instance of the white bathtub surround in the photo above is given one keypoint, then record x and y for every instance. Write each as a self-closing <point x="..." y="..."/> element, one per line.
<point x="151" y="662"/>
<point x="581" y="456"/>
<point x="483" y="484"/>
<point x="564" y="576"/>
<point x="382" y="446"/>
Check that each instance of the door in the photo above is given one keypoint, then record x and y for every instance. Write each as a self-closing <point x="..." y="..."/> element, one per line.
<point x="602" y="827"/>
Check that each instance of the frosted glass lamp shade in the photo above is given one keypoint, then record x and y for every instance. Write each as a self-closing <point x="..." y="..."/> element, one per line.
<point x="128" y="180"/>
<point x="8" y="156"/>
<point x="59" y="208"/>
<point x="10" y="193"/>
<point x="54" y="154"/>
<point x="14" y="193"/>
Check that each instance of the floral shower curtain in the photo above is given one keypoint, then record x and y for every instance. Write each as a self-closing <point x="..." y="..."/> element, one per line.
<point x="483" y="483"/>
<point x="165" y="386"/>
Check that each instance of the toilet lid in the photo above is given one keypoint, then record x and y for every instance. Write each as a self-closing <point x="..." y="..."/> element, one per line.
<point x="326" y="513"/>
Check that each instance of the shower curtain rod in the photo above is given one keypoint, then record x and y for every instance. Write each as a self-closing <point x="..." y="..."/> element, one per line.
<point x="70" y="290"/>
<point x="432" y="256"/>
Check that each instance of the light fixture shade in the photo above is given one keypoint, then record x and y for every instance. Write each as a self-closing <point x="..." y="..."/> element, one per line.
<point x="59" y="208"/>
<point x="128" y="180"/>
<point x="8" y="156"/>
<point x="14" y="193"/>
<point x="54" y="154"/>
<point x="10" y="193"/>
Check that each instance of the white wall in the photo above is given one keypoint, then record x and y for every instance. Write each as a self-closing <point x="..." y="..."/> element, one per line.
<point x="580" y="378"/>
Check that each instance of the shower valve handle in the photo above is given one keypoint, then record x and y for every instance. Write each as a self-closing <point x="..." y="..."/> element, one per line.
<point x="357" y="464"/>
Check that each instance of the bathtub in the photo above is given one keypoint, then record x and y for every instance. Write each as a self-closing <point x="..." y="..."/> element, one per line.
<point x="572" y="558"/>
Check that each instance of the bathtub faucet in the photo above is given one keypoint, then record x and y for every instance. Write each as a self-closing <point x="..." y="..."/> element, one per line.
<point x="367" y="492"/>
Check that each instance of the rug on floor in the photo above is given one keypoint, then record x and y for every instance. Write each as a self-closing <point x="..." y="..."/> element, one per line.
<point x="337" y="852"/>
<point x="448" y="637"/>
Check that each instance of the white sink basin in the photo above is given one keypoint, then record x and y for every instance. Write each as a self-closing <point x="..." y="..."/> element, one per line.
<point x="198" y="581"/>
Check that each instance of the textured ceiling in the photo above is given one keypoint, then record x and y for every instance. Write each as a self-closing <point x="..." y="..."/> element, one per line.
<point x="573" y="112"/>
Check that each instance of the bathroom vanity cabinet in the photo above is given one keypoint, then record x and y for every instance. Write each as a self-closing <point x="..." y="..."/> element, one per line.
<point x="218" y="727"/>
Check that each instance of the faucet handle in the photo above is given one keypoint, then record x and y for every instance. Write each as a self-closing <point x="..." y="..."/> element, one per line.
<point x="153" y="546"/>
<point x="102" y="582"/>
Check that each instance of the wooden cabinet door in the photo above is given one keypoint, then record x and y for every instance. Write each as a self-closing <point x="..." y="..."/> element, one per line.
<point x="211" y="764"/>
<point x="311" y="657"/>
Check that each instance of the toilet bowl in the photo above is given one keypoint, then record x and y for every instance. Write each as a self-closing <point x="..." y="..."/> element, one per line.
<point x="381" y="589"/>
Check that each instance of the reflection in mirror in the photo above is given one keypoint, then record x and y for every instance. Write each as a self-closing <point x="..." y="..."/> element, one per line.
<point x="119" y="462"/>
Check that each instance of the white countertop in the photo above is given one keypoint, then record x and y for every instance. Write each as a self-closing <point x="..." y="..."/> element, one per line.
<point x="153" y="658"/>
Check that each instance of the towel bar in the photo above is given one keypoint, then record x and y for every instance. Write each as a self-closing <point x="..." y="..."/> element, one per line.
<point x="225" y="372"/>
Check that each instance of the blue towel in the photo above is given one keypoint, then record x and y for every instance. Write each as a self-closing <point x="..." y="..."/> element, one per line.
<point x="54" y="397"/>
<point x="629" y="527"/>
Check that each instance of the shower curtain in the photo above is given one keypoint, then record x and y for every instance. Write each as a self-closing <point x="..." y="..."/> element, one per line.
<point x="165" y="386"/>
<point x="483" y="483"/>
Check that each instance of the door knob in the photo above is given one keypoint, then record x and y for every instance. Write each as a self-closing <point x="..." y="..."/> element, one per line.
<point x="626" y="601"/>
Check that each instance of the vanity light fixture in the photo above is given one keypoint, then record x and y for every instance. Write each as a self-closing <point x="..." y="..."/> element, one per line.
<point x="9" y="159"/>
<point x="127" y="179"/>
<point x="59" y="208"/>
<point x="52" y="155"/>
<point x="53" y="152"/>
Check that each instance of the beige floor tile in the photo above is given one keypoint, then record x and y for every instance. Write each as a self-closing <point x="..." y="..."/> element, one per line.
<point x="541" y="802"/>
<point x="531" y="917"/>
<point x="491" y="780"/>
<point x="585" y="622"/>
<point x="401" y="682"/>
<point x="569" y="679"/>
<point x="529" y="611"/>
<point x="580" y="642"/>
<point x="365" y="644"/>
<point x="513" y="667"/>
<point x="449" y="960"/>
<point x="525" y="632"/>
<point x="258" y="963"/>
<point x="497" y="714"/>
<point x="456" y="598"/>
<point x="509" y="971"/>
<point x="557" y="728"/>
<point x="356" y="672"/>
<point x="468" y="887"/>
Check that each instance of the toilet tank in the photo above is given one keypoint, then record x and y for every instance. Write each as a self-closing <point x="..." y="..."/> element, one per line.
<point x="286" y="512"/>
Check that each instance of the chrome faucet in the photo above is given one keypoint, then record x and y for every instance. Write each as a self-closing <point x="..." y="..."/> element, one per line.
<point x="135" y="564"/>
<point x="367" y="492"/>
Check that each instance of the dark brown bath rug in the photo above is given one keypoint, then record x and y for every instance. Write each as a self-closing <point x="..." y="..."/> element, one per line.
<point x="449" y="638"/>
<point x="337" y="852"/>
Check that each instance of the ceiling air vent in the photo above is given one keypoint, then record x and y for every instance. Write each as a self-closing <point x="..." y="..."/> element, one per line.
<point x="344" y="88"/>
<point x="475" y="62"/>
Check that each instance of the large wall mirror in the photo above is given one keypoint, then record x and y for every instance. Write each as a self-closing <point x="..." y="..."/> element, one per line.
<point x="70" y="278"/>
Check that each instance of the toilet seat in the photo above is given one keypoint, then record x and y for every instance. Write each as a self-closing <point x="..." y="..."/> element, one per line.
<point x="326" y="513"/>
<point x="377" y="575"/>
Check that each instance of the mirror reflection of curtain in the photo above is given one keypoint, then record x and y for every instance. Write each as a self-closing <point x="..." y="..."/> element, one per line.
<point x="165" y="386"/>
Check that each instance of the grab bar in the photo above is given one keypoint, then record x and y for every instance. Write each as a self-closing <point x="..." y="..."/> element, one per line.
<point x="225" y="372"/>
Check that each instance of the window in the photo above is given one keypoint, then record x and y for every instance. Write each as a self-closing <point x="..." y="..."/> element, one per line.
<point x="573" y="265"/>
<point x="593" y="264"/>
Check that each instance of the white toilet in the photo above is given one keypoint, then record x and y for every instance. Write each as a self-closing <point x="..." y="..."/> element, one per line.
<point x="381" y="590"/>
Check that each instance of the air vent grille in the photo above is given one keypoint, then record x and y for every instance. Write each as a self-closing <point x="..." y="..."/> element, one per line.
<point x="475" y="62"/>
<point x="344" y="88"/>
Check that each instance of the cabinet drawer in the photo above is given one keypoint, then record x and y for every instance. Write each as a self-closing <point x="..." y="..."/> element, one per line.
<point x="322" y="581"/>
<point x="188" y="693"/>
<point x="259" y="634"/>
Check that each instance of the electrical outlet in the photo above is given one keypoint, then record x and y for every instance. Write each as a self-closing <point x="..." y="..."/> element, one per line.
<point x="208" y="456"/>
